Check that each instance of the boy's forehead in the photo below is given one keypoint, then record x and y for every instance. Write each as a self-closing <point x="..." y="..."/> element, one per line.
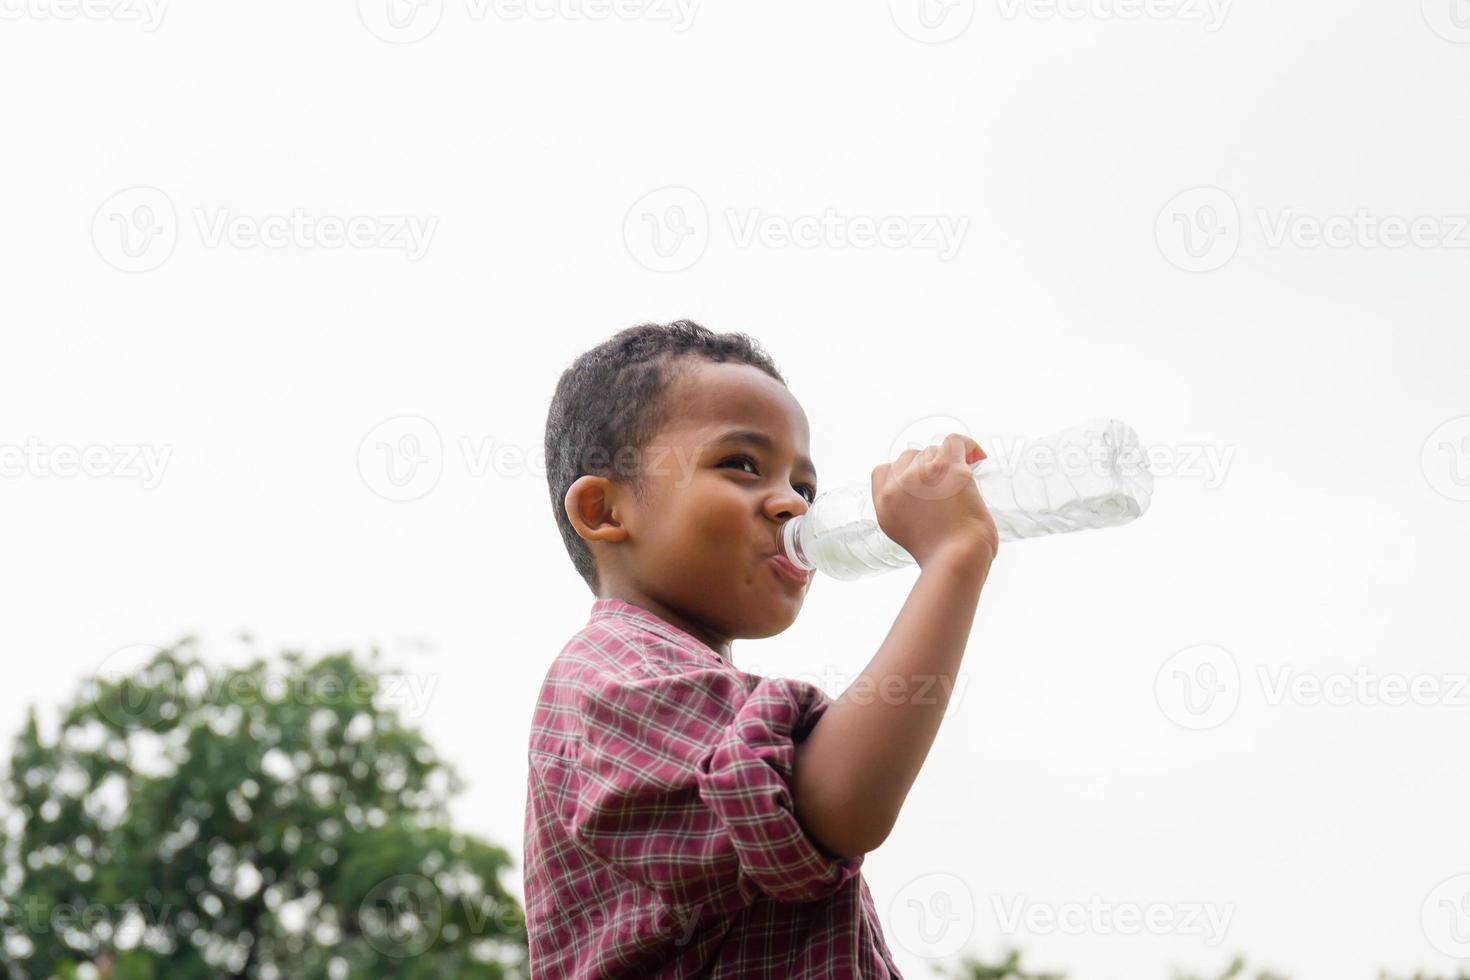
<point x="711" y="397"/>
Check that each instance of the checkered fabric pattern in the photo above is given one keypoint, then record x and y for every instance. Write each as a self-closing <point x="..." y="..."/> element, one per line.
<point x="660" y="836"/>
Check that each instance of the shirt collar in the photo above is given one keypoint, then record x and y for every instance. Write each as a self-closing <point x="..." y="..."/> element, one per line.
<point x="623" y="609"/>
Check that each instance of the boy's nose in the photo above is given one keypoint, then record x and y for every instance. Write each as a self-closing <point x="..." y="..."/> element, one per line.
<point x="783" y="507"/>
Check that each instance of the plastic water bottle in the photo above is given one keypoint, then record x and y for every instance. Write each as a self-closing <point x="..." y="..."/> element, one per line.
<point x="1092" y="475"/>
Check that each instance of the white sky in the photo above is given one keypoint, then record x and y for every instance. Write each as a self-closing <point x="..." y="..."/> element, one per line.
<point x="523" y="149"/>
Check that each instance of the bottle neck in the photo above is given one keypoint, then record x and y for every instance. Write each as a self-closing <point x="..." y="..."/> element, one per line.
<point x="791" y="544"/>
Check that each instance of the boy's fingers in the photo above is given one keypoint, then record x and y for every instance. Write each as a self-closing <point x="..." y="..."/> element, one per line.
<point x="956" y="446"/>
<point x="962" y="446"/>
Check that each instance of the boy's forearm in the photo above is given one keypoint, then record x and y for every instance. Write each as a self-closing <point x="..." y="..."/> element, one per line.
<point x="854" y="769"/>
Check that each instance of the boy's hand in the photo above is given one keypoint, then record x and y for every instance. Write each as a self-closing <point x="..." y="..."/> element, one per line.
<point x="928" y="502"/>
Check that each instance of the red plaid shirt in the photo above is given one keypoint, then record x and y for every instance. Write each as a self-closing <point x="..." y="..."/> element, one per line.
<point x="660" y="837"/>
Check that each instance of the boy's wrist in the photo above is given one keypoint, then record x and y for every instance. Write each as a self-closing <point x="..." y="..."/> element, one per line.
<point x="961" y="555"/>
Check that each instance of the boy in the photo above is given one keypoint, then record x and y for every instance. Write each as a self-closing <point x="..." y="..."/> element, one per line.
<point x="684" y="818"/>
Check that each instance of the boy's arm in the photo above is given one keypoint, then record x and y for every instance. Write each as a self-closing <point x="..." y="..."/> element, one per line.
<point x="856" y="766"/>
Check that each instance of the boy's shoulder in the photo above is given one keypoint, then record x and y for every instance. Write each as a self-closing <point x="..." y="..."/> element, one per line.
<point x="625" y="641"/>
<point x="623" y="644"/>
<point x="635" y="686"/>
<point x="625" y="653"/>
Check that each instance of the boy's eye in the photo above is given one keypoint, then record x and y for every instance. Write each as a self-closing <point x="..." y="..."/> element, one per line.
<point x="807" y="491"/>
<point x="741" y="459"/>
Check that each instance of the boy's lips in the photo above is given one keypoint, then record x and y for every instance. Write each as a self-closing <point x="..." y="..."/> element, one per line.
<point x="789" y="571"/>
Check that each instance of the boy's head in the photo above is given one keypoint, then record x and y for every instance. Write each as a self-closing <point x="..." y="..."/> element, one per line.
<point x="655" y="505"/>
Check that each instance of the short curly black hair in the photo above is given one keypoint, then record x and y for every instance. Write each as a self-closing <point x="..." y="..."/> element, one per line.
<point x="610" y="403"/>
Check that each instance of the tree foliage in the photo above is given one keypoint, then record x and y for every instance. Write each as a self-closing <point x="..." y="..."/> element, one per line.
<point x="277" y="820"/>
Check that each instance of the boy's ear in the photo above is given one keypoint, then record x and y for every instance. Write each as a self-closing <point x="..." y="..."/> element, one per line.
<point x="590" y="506"/>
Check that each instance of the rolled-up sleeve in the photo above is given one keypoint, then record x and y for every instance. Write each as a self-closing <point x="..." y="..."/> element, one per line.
<point x="682" y="782"/>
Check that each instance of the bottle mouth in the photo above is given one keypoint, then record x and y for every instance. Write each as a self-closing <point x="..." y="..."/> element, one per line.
<point x="791" y="544"/>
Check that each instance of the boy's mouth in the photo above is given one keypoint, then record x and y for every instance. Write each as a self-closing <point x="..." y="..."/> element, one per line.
<point x="787" y="570"/>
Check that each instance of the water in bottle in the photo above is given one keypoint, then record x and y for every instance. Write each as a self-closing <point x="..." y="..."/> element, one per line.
<point x="1091" y="475"/>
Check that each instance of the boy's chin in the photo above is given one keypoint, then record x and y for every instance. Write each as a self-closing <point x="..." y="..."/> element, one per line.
<point x="769" y="622"/>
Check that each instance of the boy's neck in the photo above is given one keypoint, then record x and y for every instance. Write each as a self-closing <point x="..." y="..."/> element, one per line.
<point x="635" y="596"/>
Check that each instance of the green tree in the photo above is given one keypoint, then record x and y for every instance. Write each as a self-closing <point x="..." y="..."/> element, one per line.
<point x="278" y="820"/>
<point x="1007" y="969"/>
<point x="1235" y="971"/>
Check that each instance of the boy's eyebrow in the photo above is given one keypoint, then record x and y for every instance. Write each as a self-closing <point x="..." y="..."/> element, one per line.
<point x="765" y="442"/>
